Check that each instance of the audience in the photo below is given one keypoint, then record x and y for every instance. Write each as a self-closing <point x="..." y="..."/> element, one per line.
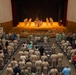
<point x="35" y="59"/>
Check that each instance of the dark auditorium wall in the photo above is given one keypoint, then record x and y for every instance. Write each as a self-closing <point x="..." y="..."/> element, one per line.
<point x="38" y="8"/>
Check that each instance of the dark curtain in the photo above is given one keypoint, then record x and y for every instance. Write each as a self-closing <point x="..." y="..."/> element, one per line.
<point x="39" y="8"/>
<point x="14" y="12"/>
<point x="65" y="12"/>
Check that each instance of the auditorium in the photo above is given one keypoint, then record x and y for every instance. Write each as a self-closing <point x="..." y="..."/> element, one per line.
<point x="37" y="37"/>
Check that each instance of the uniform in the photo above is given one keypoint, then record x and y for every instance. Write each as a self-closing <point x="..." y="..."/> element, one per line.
<point x="45" y="39"/>
<point x="69" y="48"/>
<point x="59" y="62"/>
<point x="31" y="52"/>
<point x="57" y="37"/>
<point x="37" y="53"/>
<point x="23" y="57"/>
<point x="45" y="65"/>
<point x="33" y="58"/>
<point x="60" y="55"/>
<point x="21" y="64"/>
<point x="29" y="66"/>
<point x="9" y="70"/>
<point x="43" y="57"/>
<point x="38" y="66"/>
<point x="53" y="49"/>
<point x="20" y="53"/>
<point x="26" y="53"/>
<point x="54" y="58"/>
<point x="15" y="43"/>
<point x="18" y="36"/>
<point x="9" y="50"/>
<point x="53" y="71"/>
<point x="13" y="63"/>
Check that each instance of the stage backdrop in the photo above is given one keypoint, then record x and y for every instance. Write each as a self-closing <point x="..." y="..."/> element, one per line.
<point x="38" y="8"/>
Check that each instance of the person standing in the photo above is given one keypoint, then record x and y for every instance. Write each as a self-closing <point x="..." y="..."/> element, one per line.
<point x="66" y="71"/>
<point x="41" y="49"/>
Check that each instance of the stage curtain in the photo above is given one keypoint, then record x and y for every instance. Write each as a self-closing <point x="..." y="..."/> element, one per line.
<point x="65" y="12"/>
<point x="14" y="13"/>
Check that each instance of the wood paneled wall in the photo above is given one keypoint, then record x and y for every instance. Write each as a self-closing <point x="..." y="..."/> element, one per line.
<point x="7" y="26"/>
<point x="71" y="26"/>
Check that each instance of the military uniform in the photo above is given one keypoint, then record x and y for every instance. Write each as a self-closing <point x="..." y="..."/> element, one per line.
<point x="53" y="71"/>
<point x="21" y="64"/>
<point x="15" y="44"/>
<point x="33" y="58"/>
<point x="69" y="48"/>
<point x="9" y="50"/>
<point x="43" y="57"/>
<point x="45" y="39"/>
<point x="45" y="65"/>
<point x="26" y="53"/>
<point x="38" y="66"/>
<point x="53" y="49"/>
<point x="54" y="58"/>
<point x="60" y="56"/>
<point x="18" y="36"/>
<point x="20" y="53"/>
<point x="9" y="70"/>
<point x="29" y="66"/>
<point x="57" y="37"/>
<point x="37" y="53"/>
<point x="13" y="63"/>
<point x="31" y="52"/>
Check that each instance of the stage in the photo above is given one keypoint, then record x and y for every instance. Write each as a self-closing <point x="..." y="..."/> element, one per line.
<point x="25" y="30"/>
